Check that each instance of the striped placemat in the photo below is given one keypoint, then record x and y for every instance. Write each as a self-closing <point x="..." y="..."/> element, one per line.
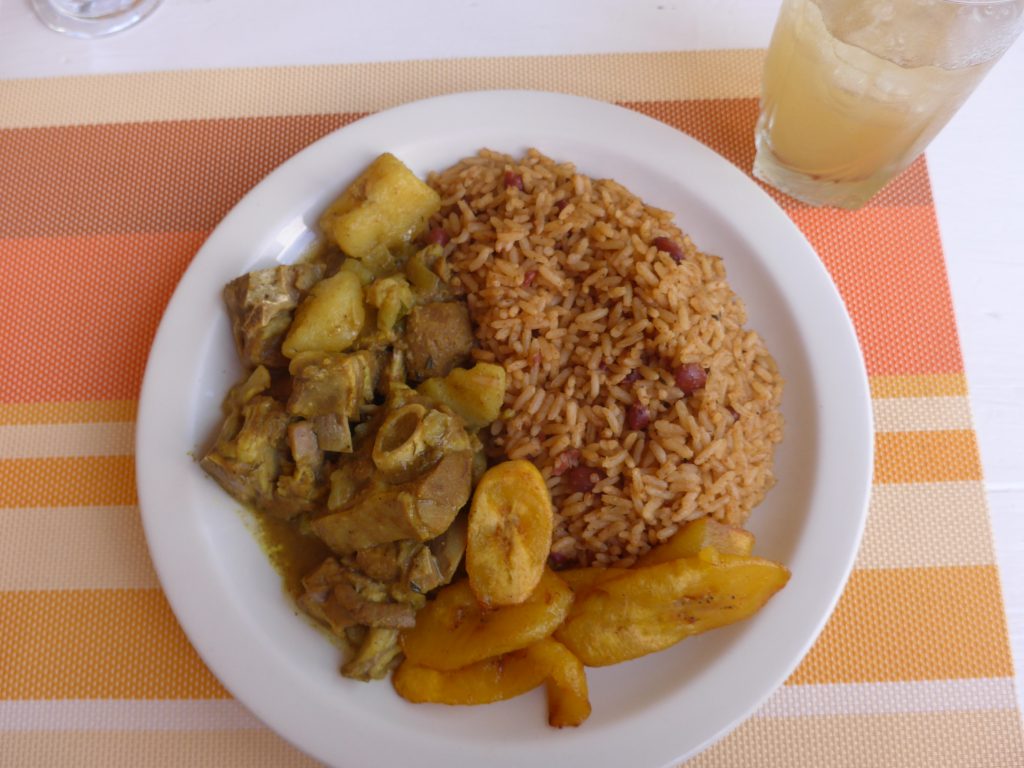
<point x="108" y="186"/>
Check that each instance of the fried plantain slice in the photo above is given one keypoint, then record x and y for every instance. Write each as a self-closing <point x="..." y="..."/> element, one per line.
<point x="454" y="630"/>
<point x="694" y="536"/>
<point x="652" y="608"/>
<point x="494" y="679"/>
<point x="510" y="523"/>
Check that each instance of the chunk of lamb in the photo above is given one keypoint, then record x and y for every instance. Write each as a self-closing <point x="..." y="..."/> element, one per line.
<point x="332" y="384"/>
<point x="419" y="509"/>
<point x="376" y="655"/>
<point x="261" y="304"/>
<point x="249" y="452"/>
<point x="438" y="337"/>
<point x="340" y="594"/>
<point x="305" y="486"/>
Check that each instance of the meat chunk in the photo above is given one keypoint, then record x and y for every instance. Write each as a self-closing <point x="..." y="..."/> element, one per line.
<point x="375" y="656"/>
<point x="304" y="487"/>
<point x="327" y="383"/>
<point x="438" y="337"/>
<point x="386" y="562"/>
<point x="261" y="304"/>
<point x="419" y="509"/>
<point x="448" y="549"/>
<point x="332" y="433"/>
<point x="251" y="448"/>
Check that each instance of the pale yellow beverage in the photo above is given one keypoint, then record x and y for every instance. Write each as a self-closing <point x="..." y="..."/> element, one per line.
<point x="854" y="90"/>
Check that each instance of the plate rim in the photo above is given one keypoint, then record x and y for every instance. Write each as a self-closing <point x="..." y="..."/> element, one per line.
<point x="760" y="207"/>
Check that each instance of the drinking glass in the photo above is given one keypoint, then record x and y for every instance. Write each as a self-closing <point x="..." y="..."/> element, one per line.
<point x="92" y="18"/>
<point x="854" y="90"/>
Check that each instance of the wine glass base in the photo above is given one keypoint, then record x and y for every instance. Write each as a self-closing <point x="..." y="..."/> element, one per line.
<point x="84" y="25"/>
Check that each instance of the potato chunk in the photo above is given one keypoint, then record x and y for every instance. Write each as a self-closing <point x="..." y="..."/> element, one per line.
<point x="454" y="630"/>
<point x="385" y="207"/>
<point x="329" y="319"/>
<point x="510" y="523"/>
<point x="475" y="395"/>
<point x="649" y="609"/>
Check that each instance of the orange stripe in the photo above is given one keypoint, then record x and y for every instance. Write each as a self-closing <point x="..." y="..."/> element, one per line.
<point x="118" y="177"/>
<point x="926" y="457"/>
<point x="936" y="385"/>
<point x="85" y="338"/>
<point x="906" y="624"/>
<point x="182" y="175"/>
<point x="132" y="749"/>
<point x="92" y="644"/>
<point x="83" y="412"/>
<point x="100" y="548"/>
<point x="888" y="265"/>
<point x="68" y="482"/>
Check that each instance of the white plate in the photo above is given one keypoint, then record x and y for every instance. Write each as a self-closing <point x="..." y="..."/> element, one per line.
<point x="650" y="712"/>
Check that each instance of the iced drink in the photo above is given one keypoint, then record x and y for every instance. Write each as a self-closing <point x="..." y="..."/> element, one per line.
<point x="854" y="90"/>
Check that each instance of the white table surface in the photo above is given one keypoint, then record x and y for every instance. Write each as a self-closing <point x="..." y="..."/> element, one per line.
<point x="977" y="163"/>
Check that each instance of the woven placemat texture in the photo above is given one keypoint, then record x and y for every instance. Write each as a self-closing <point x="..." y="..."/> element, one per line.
<point x="109" y="185"/>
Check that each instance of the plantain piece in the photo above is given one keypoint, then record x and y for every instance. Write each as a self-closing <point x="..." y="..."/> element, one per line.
<point x="454" y="630"/>
<point x="652" y="608"/>
<point x="383" y="209"/>
<point x="582" y="580"/>
<point x="504" y="677"/>
<point x="329" y="319"/>
<point x="689" y="540"/>
<point x="568" y="697"/>
<point x="510" y="524"/>
<point x="483" y="682"/>
<point x="475" y="395"/>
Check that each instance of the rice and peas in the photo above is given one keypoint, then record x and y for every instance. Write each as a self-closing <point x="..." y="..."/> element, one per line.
<point x="632" y="383"/>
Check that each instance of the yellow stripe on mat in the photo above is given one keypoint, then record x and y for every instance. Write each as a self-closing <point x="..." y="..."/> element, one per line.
<point x="310" y="90"/>
<point x="65" y="482"/>
<point x="89" y="411"/>
<point x="917" y="525"/>
<point x="99" y="548"/>
<point x="920" y="740"/>
<point x="926" y="457"/>
<point x="119" y="749"/>
<point x="98" y="644"/>
<point x="912" y="624"/>
<point x="35" y="441"/>
<point x="930" y="385"/>
<point x="921" y="414"/>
